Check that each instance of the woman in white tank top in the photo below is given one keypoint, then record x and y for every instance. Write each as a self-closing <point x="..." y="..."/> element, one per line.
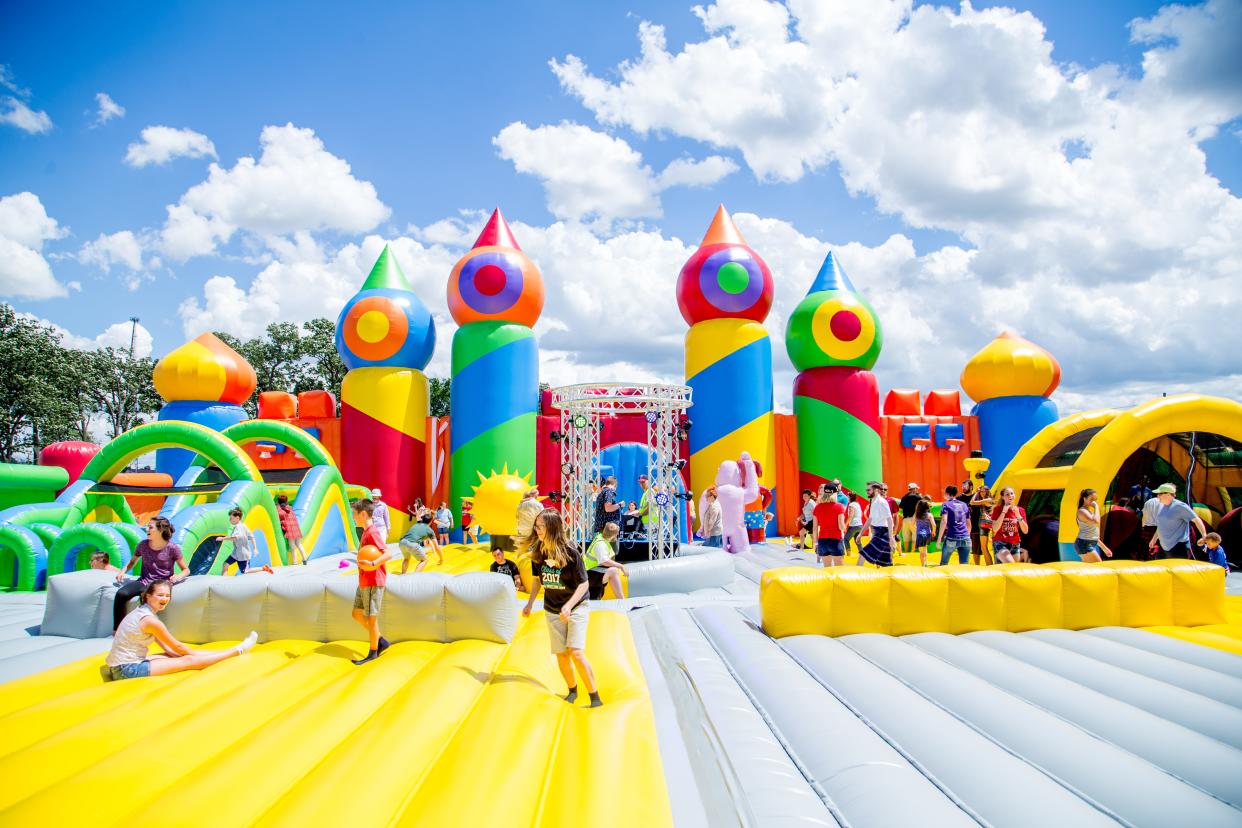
<point x="129" y="656"/>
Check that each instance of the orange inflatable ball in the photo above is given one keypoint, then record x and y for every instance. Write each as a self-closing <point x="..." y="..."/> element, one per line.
<point x="367" y="556"/>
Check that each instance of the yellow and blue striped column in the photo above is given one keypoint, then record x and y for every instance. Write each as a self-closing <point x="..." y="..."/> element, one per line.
<point x="724" y="292"/>
<point x="495" y="293"/>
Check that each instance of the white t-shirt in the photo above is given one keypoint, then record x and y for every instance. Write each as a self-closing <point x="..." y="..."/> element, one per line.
<point x="380" y="519"/>
<point x="881" y="515"/>
<point x="854" y="513"/>
<point x="808" y="511"/>
<point x="243" y="542"/>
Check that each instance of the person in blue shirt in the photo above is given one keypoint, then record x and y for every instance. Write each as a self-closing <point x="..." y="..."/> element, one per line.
<point x="1173" y="519"/>
<point x="1213" y="551"/>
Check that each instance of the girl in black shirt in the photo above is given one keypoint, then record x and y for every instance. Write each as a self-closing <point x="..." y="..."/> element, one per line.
<point x="558" y="569"/>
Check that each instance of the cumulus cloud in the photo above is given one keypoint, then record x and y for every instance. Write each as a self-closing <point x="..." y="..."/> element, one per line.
<point x="295" y="185"/>
<point x="24" y="227"/>
<point x="121" y="248"/>
<point x="15" y="109"/>
<point x="592" y="176"/>
<point x="107" y="109"/>
<point x="116" y="335"/>
<point x="161" y="144"/>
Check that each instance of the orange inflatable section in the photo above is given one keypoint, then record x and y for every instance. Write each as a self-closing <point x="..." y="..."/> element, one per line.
<point x="932" y="469"/>
<point x="789" y="500"/>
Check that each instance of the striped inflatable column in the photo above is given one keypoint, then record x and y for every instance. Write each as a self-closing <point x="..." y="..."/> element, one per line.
<point x="724" y="292"/>
<point x="385" y="336"/>
<point x="834" y="338"/>
<point x="495" y="293"/>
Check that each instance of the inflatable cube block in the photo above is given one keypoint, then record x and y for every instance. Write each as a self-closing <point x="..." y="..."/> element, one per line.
<point x="1032" y="597"/>
<point x="1144" y="593"/>
<point x="1090" y="595"/>
<point x="942" y="403"/>
<point x="918" y="601"/>
<point x="976" y="599"/>
<point x="294" y="609"/>
<point x="277" y="405"/>
<point x="186" y="614"/>
<point x="1198" y="593"/>
<point x="235" y="606"/>
<point x="796" y="601"/>
<point x="902" y="402"/>
<point x="860" y="601"/>
<point x="316" y="405"/>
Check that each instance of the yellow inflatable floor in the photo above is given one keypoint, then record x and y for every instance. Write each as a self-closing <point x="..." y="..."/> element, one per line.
<point x="468" y="733"/>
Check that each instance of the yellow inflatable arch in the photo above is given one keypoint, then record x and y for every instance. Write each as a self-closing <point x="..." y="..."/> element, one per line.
<point x="1087" y="450"/>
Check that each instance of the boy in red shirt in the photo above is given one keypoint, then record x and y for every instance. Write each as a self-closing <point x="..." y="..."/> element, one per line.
<point x="829" y="526"/>
<point x="370" y="593"/>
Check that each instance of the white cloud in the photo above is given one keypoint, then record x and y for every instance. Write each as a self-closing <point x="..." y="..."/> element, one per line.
<point x="161" y="144"/>
<point x="296" y="185"/>
<point x="591" y="176"/>
<point x="116" y="335"/>
<point x="121" y="248"/>
<point x="24" y="227"/>
<point x="15" y="109"/>
<point x="107" y="109"/>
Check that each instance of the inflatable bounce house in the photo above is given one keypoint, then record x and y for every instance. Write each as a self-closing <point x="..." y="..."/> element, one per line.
<point x="748" y="687"/>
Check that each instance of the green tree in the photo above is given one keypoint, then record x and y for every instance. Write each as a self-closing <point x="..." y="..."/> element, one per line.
<point x="440" y="396"/>
<point x="37" y="378"/>
<point x="324" y="367"/>
<point x="121" y="388"/>
<point x="276" y="358"/>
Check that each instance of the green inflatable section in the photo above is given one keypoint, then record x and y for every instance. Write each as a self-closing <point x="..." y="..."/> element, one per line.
<point x="72" y="550"/>
<point x="839" y="446"/>
<point x="225" y="454"/>
<point x="21" y="484"/>
<point x="275" y="431"/>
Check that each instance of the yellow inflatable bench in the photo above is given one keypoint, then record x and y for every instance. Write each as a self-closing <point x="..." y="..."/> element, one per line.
<point x="1013" y="597"/>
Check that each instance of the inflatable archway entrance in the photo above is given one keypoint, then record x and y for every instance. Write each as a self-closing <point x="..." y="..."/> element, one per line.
<point x="1086" y="451"/>
<point x="225" y="454"/>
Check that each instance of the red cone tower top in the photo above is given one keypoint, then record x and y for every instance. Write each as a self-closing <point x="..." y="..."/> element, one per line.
<point x="496" y="233"/>
<point x="722" y="230"/>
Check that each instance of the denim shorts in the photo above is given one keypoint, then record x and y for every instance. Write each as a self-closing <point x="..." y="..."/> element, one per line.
<point x="135" y="669"/>
<point x="409" y="548"/>
<point x="1086" y="547"/>
<point x="716" y="541"/>
<point x="1006" y="546"/>
<point x="829" y="547"/>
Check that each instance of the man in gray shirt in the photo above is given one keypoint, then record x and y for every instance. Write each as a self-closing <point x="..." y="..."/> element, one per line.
<point x="1173" y="519"/>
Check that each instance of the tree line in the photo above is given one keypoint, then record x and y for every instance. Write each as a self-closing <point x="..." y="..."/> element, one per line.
<point x="50" y="391"/>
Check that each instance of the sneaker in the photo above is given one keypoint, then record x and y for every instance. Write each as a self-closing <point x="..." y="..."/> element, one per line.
<point x="384" y="644"/>
<point x="371" y="656"/>
<point x="247" y="643"/>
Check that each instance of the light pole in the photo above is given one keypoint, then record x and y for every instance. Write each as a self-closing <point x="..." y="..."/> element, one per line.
<point x="133" y="333"/>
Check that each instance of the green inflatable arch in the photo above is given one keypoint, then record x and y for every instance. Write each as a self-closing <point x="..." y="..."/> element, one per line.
<point x="281" y="433"/>
<point x="208" y="444"/>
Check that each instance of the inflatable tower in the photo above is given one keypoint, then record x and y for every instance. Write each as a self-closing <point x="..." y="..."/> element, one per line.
<point x="724" y="292"/>
<point x="1010" y="379"/>
<point x="834" y="338"/>
<point x="385" y="336"/>
<point x="495" y="293"/>
<point x="204" y="382"/>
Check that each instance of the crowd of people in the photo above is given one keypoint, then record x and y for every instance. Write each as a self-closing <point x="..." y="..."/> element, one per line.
<point x="973" y="524"/>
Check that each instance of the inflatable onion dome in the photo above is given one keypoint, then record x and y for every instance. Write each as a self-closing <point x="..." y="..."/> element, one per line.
<point x="495" y="280"/>
<point x="725" y="278"/>
<point x="833" y="324"/>
<point x="204" y="369"/>
<point x="1010" y="366"/>
<point x="385" y="324"/>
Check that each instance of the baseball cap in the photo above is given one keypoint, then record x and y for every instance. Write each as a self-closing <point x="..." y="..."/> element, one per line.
<point x="912" y="486"/>
<point x="1166" y="488"/>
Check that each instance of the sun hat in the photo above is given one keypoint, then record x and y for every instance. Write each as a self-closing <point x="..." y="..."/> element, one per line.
<point x="376" y="493"/>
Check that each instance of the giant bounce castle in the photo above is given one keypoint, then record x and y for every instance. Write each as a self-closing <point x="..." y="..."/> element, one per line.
<point x="742" y="685"/>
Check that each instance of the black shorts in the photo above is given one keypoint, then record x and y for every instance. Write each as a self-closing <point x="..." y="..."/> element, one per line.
<point x="241" y="565"/>
<point x="829" y="547"/>
<point x="808" y="525"/>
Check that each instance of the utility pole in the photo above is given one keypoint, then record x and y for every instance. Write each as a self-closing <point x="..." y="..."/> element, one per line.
<point x="133" y="333"/>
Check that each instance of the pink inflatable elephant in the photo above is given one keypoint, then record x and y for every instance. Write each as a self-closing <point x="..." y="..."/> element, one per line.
<point x="736" y="485"/>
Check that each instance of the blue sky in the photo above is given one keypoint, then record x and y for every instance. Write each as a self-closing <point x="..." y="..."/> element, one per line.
<point x="413" y="96"/>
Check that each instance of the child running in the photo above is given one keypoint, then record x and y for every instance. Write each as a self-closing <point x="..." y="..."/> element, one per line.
<point x="559" y="570"/>
<point x="1088" y="544"/>
<point x="130" y="654"/>
<point x="414" y="543"/>
<point x="243" y="543"/>
<point x="924" y="528"/>
<point x="1213" y="551"/>
<point x="293" y="532"/>
<point x="370" y="593"/>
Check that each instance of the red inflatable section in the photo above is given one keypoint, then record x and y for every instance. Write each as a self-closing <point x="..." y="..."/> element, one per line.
<point x="943" y="404"/>
<point x="277" y="405"/>
<point x="902" y="402"/>
<point x="316" y="405"/>
<point x="70" y="455"/>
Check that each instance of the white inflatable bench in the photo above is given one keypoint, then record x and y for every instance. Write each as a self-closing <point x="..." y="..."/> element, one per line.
<point x="424" y="607"/>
